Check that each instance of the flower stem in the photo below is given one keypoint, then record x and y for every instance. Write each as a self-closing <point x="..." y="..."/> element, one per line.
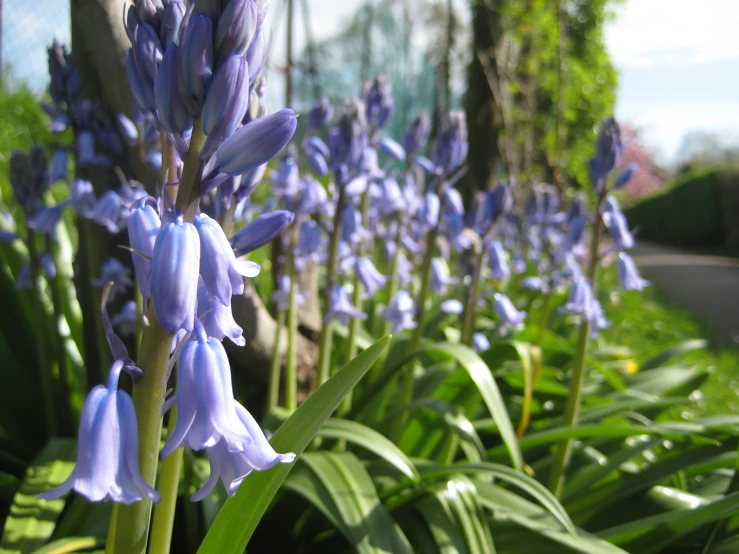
<point x="357" y="298"/>
<point x="407" y="377"/>
<point x="169" y="480"/>
<point x="274" y="369"/>
<point x="291" y="366"/>
<point x="132" y="525"/>
<point x="326" y="338"/>
<point x="470" y="311"/>
<point x="132" y="521"/>
<point x="572" y="405"/>
<point x="46" y="378"/>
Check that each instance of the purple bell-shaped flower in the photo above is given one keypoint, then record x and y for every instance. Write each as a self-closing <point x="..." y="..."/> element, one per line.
<point x="497" y="261"/>
<point x="107" y="452"/>
<point x="401" y="311"/>
<point x="174" y="274"/>
<point x="207" y="409"/>
<point x="222" y="273"/>
<point x="628" y="275"/>
<point x="232" y="467"/>
<point x="507" y="312"/>
<point x="341" y="307"/>
<point x="143" y="228"/>
<point x="218" y="320"/>
<point x="371" y="279"/>
<point x="440" y="278"/>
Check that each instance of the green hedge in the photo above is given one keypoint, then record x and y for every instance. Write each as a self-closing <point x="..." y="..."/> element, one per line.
<point x="699" y="209"/>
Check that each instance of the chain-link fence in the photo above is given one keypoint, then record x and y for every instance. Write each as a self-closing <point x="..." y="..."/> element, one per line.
<point x="28" y="27"/>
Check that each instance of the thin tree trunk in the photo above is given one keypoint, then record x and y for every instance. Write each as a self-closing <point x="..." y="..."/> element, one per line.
<point x="481" y="106"/>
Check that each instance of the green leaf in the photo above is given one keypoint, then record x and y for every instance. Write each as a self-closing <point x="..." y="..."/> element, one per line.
<point x="71" y="544"/>
<point x="483" y="379"/>
<point x="507" y="506"/>
<point x="31" y="521"/>
<point x="654" y="534"/>
<point x="464" y="429"/>
<point x="356" y="506"/>
<point x="680" y="348"/>
<point x="240" y="514"/>
<point x="368" y="438"/>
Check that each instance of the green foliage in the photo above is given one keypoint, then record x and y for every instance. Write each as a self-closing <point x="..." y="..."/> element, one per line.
<point x="687" y="213"/>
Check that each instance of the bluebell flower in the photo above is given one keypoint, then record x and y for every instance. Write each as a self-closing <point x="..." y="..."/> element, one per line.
<point x="59" y="162"/>
<point x="371" y="279"/>
<point x="405" y="270"/>
<point x="217" y="319"/>
<point x="416" y="136"/>
<point x="624" y="176"/>
<point x="107" y="449"/>
<point x="598" y="321"/>
<point x="320" y="115"/>
<point x="507" y="312"/>
<point x="81" y="198"/>
<point x="450" y="147"/>
<point x="256" y="143"/>
<point x="534" y="283"/>
<point x="113" y="271"/>
<point x="172" y="17"/>
<point x="352" y="231"/>
<point x="110" y="212"/>
<point x="580" y="300"/>
<point x="286" y="180"/>
<point x="618" y="228"/>
<point x="281" y="295"/>
<point x="24" y="278"/>
<point x="143" y="226"/>
<point x="575" y="234"/>
<point x="47" y="263"/>
<point x="171" y="110"/>
<point x="389" y="197"/>
<point x="225" y="104"/>
<point x="236" y="29"/>
<point x="232" y="467"/>
<point x="628" y="275"/>
<point x="400" y="312"/>
<point x="174" y="274"/>
<point x="47" y="219"/>
<point x="608" y="151"/>
<point x="378" y="99"/>
<point x="309" y="244"/>
<point x="518" y="263"/>
<point x="480" y="342"/>
<point x="261" y="230"/>
<point x="312" y="197"/>
<point x="392" y="149"/>
<point x="346" y="141"/>
<point x="207" y="409"/>
<point x="341" y="307"/>
<point x="318" y="163"/>
<point x="127" y="319"/>
<point x="428" y="214"/>
<point x="195" y="62"/>
<point x="452" y="306"/>
<point x="440" y="277"/>
<point x="222" y="273"/>
<point x="497" y="261"/>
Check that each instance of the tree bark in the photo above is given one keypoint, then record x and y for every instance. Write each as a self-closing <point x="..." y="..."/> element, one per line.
<point x="483" y="121"/>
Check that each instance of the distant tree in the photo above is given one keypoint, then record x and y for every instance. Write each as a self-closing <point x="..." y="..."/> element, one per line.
<point x="551" y="81"/>
<point x="649" y="177"/>
<point x="705" y="148"/>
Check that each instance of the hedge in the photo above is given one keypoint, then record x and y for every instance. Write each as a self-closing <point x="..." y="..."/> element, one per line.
<point x="700" y="209"/>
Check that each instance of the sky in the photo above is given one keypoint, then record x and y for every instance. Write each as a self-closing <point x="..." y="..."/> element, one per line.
<point x="678" y="60"/>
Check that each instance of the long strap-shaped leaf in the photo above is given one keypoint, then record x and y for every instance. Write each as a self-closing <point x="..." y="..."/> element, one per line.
<point x="485" y="382"/>
<point x="240" y="515"/>
<point x="362" y="517"/>
<point x="366" y="437"/>
<point x="32" y="521"/>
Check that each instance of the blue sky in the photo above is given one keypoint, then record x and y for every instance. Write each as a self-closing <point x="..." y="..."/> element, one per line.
<point x="678" y="60"/>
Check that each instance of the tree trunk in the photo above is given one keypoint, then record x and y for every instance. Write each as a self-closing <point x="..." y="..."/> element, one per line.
<point x="483" y="122"/>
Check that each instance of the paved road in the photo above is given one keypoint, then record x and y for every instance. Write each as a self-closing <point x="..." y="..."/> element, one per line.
<point x="708" y="286"/>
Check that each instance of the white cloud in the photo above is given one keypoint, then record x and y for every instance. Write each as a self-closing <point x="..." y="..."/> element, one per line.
<point x="648" y="33"/>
